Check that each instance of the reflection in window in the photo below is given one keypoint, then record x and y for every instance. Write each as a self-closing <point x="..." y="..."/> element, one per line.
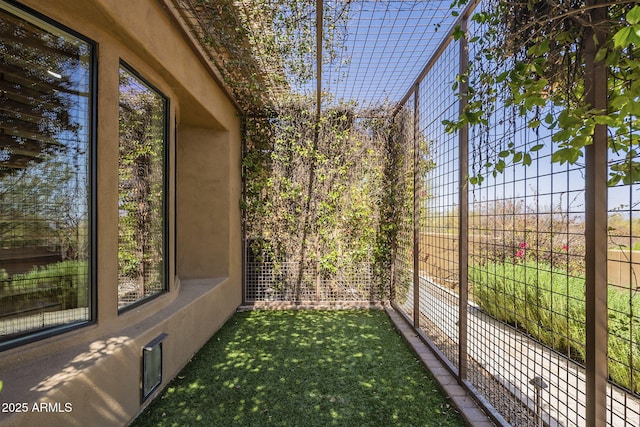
<point x="45" y="135"/>
<point x="141" y="190"/>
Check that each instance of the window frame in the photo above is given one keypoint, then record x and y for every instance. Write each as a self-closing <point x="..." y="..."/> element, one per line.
<point x="48" y="24"/>
<point x="166" y="128"/>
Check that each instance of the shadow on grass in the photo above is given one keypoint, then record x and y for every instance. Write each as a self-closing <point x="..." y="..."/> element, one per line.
<point x="304" y="368"/>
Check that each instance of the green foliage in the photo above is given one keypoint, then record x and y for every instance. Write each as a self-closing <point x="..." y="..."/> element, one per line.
<point x="314" y="191"/>
<point x="532" y="58"/>
<point x="549" y="304"/>
<point x="398" y="200"/>
<point x="141" y="180"/>
<point x="262" y="47"/>
<point x="64" y="283"/>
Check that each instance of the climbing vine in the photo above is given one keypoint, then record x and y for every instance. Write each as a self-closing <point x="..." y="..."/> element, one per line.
<point x="530" y="55"/>
<point x="314" y="192"/>
<point x="320" y="192"/>
<point x="265" y="49"/>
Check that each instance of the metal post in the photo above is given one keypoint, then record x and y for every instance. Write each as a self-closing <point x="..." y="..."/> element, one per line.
<point x="243" y="212"/>
<point x="416" y="208"/>
<point x="463" y="211"/>
<point x="319" y="36"/>
<point x="596" y="226"/>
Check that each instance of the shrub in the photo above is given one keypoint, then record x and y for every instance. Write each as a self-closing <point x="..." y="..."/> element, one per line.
<point x="64" y="282"/>
<point x="549" y="304"/>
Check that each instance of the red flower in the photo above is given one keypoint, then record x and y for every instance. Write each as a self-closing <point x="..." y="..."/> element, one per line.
<point x="520" y="253"/>
<point x="565" y="247"/>
<point x="524" y="245"/>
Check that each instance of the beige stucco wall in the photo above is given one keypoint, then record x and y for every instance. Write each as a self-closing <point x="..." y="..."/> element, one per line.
<point x="96" y="369"/>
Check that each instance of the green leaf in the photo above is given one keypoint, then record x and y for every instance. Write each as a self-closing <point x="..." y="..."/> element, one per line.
<point x="622" y="37"/>
<point x="633" y="16"/>
<point x="502" y="77"/>
<point x="561" y="135"/>
<point x="517" y="157"/>
<point x="634" y="108"/>
<point x="605" y="120"/>
<point x="566" y="155"/>
<point x="617" y="102"/>
<point x="634" y="37"/>
<point x="536" y="147"/>
<point x="602" y="54"/>
<point x="526" y="161"/>
<point x="458" y="33"/>
<point x="548" y="119"/>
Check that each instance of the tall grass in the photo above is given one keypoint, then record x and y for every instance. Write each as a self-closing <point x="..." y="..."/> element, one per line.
<point x="549" y="304"/>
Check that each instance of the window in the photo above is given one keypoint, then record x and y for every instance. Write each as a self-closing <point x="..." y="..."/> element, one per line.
<point x="142" y="191"/>
<point x="46" y="134"/>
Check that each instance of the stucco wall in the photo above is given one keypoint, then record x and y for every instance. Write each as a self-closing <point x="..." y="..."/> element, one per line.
<point x="95" y="370"/>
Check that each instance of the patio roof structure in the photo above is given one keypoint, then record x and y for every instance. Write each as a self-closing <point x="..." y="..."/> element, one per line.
<point x="368" y="53"/>
<point x="179" y="159"/>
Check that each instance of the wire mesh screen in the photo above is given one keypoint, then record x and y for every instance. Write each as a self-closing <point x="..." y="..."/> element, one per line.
<point x="623" y="263"/>
<point x="404" y="247"/>
<point x="526" y="273"/>
<point x="45" y="137"/>
<point x="438" y="215"/>
<point x="285" y="282"/>
<point x="526" y="318"/>
<point x="312" y="200"/>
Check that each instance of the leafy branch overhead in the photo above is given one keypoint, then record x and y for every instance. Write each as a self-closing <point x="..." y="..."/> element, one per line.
<point x="263" y="48"/>
<point x="530" y="57"/>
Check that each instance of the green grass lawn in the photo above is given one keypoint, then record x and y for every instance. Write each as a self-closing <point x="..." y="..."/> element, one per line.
<point x="304" y="368"/>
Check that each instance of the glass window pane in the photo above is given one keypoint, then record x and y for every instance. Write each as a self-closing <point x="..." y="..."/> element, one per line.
<point x="45" y="138"/>
<point x="141" y="190"/>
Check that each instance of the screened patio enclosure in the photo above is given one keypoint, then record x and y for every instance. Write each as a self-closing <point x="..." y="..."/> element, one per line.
<point x="384" y="165"/>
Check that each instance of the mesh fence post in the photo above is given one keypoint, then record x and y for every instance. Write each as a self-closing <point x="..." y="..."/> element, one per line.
<point x="416" y="209"/>
<point x="596" y="226"/>
<point x="463" y="211"/>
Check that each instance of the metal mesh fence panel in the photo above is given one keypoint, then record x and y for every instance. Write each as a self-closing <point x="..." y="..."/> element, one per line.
<point x="312" y="207"/>
<point x="403" y="251"/>
<point x="285" y="282"/>
<point x="527" y="317"/>
<point x="526" y="274"/>
<point x="438" y="208"/>
<point x="527" y="326"/>
<point x="623" y="269"/>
